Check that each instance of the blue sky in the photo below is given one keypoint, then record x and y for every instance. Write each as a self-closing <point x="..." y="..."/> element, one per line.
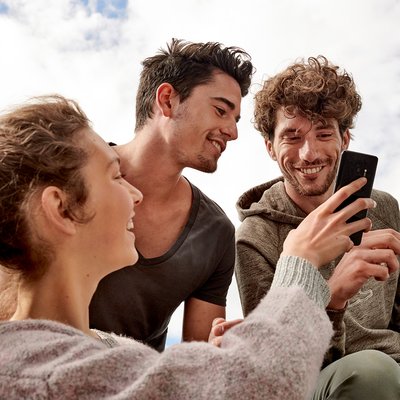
<point x="110" y="9"/>
<point x="91" y="51"/>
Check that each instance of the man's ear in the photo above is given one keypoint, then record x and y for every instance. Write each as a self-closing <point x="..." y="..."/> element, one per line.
<point x="270" y="149"/>
<point x="346" y="139"/>
<point x="165" y="97"/>
<point x="54" y="203"/>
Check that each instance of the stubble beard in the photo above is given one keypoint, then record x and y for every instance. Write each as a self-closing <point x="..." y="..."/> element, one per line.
<point x="205" y="165"/>
<point x="311" y="190"/>
<point x="200" y="163"/>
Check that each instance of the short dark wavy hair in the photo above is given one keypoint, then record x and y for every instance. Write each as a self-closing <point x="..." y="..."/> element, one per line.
<point x="38" y="148"/>
<point x="186" y="65"/>
<point x="315" y="89"/>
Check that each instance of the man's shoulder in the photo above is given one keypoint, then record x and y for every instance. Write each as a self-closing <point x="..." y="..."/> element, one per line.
<point x="386" y="214"/>
<point x="209" y="208"/>
<point x="213" y="206"/>
<point x="263" y="232"/>
<point x="274" y="213"/>
<point x="381" y="196"/>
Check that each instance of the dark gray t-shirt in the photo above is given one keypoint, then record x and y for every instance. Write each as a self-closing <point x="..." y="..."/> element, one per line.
<point x="138" y="301"/>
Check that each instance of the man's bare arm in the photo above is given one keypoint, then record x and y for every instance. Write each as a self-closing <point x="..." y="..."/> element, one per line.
<point x="198" y="318"/>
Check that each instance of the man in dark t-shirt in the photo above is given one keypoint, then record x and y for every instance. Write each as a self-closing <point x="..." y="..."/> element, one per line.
<point x="187" y="109"/>
<point x="195" y="266"/>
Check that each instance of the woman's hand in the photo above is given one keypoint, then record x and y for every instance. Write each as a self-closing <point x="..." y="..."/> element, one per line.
<point x="324" y="234"/>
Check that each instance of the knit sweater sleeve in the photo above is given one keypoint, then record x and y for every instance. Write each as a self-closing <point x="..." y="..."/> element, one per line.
<point x="269" y="354"/>
<point x="276" y="353"/>
<point x="295" y="271"/>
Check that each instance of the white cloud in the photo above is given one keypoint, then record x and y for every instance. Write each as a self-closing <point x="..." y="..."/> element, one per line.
<point x="71" y="47"/>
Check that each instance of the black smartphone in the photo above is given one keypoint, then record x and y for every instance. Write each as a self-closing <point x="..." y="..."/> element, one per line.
<point x="352" y="166"/>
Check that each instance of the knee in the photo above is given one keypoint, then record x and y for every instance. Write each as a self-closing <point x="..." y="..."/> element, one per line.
<point x="367" y="374"/>
<point x="372" y="366"/>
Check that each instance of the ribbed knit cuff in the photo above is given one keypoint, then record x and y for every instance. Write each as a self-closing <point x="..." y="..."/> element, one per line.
<point x="296" y="271"/>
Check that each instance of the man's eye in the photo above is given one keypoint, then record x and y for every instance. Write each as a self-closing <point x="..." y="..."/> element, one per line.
<point x="220" y="111"/>
<point x="325" y="135"/>
<point x="292" y="138"/>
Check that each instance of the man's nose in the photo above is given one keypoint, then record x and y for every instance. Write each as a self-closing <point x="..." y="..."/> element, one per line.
<point x="230" y="130"/>
<point x="308" y="150"/>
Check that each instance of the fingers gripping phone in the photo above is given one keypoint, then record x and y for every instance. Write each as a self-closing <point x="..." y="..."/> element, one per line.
<point x="352" y="166"/>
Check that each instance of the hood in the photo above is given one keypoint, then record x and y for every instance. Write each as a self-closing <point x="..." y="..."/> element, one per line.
<point x="270" y="200"/>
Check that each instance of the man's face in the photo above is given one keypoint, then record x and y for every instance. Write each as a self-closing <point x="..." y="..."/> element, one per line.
<point x="205" y="122"/>
<point x="308" y="153"/>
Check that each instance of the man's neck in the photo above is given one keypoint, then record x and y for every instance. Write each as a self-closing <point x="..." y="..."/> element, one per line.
<point x="147" y="164"/>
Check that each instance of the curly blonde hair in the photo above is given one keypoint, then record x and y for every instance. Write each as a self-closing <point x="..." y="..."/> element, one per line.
<point x="315" y="89"/>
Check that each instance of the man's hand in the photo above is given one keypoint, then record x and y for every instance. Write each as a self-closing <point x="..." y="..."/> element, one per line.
<point x="374" y="258"/>
<point x="219" y="327"/>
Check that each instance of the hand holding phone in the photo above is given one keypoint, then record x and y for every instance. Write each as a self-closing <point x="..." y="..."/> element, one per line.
<point x="352" y="166"/>
<point x="325" y="234"/>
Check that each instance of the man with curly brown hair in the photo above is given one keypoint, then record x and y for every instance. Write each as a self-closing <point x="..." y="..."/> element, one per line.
<point x="305" y="114"/>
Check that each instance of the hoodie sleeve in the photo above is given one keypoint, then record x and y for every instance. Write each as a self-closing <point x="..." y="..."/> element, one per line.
<point x="258" y="247"/>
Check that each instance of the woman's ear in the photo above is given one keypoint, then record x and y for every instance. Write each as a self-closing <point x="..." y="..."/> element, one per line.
<point x="165" y="97"/>
<point x="54" y="206"/>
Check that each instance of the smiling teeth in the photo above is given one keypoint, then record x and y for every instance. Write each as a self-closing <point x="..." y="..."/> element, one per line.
<point x="308" y="171"/>
<point x="129" y="226"/>
<point x="216" y="145"/>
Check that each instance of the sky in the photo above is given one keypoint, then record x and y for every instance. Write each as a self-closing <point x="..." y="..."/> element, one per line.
<point x="91" y="51"/>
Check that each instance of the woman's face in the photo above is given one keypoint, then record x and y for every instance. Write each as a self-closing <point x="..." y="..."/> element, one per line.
<point x="108" y="237"/>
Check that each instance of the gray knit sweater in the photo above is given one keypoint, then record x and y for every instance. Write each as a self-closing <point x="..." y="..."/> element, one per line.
<point x="276" y="353"/>
<point x="372" y="317"/>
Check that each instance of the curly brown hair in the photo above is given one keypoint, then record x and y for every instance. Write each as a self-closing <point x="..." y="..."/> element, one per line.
<point x="186" y="65"/>
<point x="315" y="89"/>
<point x="38" y="148"/>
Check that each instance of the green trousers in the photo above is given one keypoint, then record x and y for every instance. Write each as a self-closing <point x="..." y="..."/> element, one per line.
<point x="365" y="375"/>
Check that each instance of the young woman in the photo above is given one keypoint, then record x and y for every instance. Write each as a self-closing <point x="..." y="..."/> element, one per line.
<point x="67" y="221"/>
